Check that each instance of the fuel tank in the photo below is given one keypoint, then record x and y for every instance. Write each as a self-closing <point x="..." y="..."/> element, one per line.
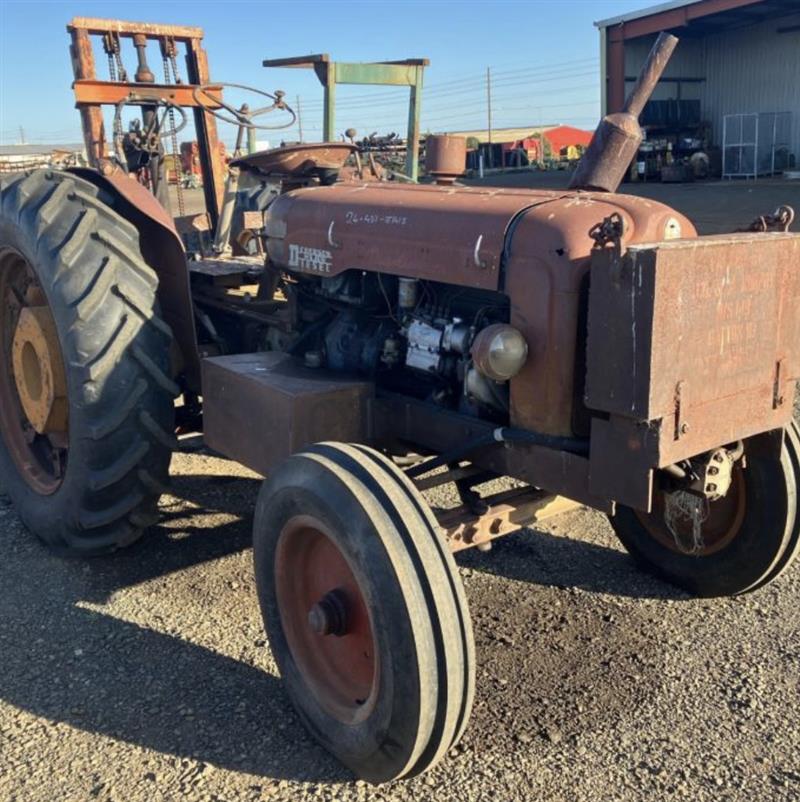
<point x="532" y="245"/>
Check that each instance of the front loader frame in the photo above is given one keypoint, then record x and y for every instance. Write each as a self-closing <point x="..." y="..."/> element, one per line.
<point x="92" y="93"/>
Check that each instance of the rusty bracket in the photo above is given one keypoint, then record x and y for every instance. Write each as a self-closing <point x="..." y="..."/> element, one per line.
<point x="681" y="424"/>
<point x="506" y="512"/>
<point x="608" y="234"/>
<point x="780" y="220"/>
<point x="777" y="391"/>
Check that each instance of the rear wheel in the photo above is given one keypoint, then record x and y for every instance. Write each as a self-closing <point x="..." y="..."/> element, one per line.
<point x="364" y="610"/>
<point x="86" y="400"/>
<point x="793" y="545"/>
<point x="746" y="538"/>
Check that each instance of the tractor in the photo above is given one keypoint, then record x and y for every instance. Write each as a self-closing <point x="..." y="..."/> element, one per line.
<point x="359" y="342"/>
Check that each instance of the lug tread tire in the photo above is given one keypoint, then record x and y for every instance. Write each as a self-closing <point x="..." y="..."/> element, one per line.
<point x="116" y="349"/>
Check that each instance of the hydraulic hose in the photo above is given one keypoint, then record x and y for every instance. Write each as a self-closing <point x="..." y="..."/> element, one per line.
<point x="503" y="434"/>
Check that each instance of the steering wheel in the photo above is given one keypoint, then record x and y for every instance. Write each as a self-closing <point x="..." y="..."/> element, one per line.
<point x="212" y="104"/>
<point x="156" y="130"/>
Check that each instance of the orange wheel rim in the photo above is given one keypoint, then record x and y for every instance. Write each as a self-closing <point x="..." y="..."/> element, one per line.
<point x="725" y="518"/>
<point x="325" y="619"/>
<point x="34" y="422"/>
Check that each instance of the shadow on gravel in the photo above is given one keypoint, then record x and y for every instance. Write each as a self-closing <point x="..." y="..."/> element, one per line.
<point x="66" y="663"/>
<point x="171" y="547"/>
<point x="126" y="682"/>
<point x="541" y="558"/>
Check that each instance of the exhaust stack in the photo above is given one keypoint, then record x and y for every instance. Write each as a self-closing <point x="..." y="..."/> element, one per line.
<point x="618" y="136"/>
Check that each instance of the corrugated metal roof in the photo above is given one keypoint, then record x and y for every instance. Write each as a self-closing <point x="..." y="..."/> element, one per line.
<point x="645" y="12"/>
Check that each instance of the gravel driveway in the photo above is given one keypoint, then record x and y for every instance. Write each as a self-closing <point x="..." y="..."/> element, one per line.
<point x="146" y="676"/>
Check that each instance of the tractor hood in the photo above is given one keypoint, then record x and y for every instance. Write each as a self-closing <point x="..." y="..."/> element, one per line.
<point x="454" y="234"/>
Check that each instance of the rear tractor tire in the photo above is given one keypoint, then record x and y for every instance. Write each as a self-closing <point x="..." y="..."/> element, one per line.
<point x="86" y="397"/>
<point x="364" y="610"/>
<point x="748" y="538"/>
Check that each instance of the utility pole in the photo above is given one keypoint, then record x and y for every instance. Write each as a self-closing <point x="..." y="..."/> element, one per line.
<point x="21" y="135"/>
<point x="489" y="111"/>
<point x="299" y="118"/>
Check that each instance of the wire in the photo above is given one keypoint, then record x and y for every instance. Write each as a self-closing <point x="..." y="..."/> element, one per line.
<point x="464" y="87"/>
<point x="386" y="298"/>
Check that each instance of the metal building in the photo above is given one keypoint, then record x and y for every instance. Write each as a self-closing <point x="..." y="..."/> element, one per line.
<point x="733" y="83"/>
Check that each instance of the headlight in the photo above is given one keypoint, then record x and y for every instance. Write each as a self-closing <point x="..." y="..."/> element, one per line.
<point x="499" y="351"/>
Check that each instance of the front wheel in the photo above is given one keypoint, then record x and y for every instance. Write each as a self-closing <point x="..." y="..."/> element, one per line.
<point x="739" y="543"/>
<point x="364" y="610"/>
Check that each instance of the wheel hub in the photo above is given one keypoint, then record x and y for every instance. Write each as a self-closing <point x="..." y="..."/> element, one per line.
<point x="39" y="370"/>
<point x="318" y="596"/>
<point x="691" y="524"/>
<point x="329" y="615"/>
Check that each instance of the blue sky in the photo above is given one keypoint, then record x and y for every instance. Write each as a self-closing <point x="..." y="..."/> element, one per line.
<point x="544" y="57"/>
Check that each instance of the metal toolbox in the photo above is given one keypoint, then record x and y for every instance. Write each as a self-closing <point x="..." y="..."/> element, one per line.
<point x="691" y="343"/>
<point x="260" y="408"/>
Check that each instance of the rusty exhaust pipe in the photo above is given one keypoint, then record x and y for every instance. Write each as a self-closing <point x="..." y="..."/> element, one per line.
<point x="616" y="140"/>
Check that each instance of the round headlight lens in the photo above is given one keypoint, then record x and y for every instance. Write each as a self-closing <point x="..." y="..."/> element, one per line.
<point x="499" y="351"/>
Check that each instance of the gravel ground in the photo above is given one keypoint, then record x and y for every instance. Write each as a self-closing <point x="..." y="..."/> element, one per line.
<point x="146" y="676"/>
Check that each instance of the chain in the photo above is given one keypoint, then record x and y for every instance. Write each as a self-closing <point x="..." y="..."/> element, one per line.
<point x="116" y="69"/>
<point x="168" y="53"/>
<point x="123" y="75"/>
<point x="108" y="46"/>
<point x="118" y="137"/>
<point x="608" y="232"/>
<point x="172" y="51"/>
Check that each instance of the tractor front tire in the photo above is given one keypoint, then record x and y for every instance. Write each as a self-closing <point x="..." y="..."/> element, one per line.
<point x="86" y="396"/>
<point x="364" y="609"/>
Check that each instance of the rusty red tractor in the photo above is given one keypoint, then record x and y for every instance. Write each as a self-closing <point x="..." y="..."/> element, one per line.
<point x="366" y="341"/>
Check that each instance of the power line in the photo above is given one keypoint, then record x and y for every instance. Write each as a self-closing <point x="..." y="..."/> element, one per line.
<point x="400" y="100"/>
<point x="446" y="87"/>
<point x="480" y="106"/>
<point x="516" y="84"/>
<point x="466" y="87"/>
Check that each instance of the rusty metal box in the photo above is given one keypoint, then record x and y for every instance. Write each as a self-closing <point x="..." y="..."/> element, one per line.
<point x="699" y="338"/>
<point x="260" y="408"/>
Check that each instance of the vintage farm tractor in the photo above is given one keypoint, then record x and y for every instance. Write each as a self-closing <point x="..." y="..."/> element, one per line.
<point x="383" y="339"/>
